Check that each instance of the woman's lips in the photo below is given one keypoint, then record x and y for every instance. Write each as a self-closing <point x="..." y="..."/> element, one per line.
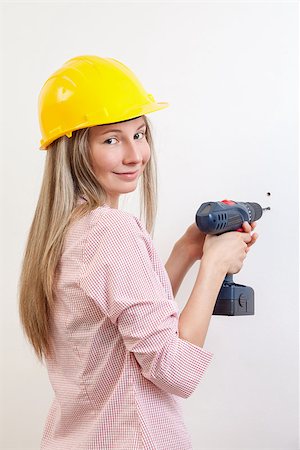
<point x="127" y="176"/>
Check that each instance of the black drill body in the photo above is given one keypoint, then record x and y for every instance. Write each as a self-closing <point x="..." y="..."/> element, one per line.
<point x="218" y="218"/>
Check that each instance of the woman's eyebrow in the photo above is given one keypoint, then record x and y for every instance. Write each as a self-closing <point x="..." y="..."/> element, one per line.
<point x="120" y="131"/>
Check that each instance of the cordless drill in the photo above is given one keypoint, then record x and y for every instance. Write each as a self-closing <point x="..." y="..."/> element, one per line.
<point x="218" y="218"/>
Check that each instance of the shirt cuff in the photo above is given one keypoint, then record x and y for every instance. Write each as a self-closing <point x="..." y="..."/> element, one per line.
<point x="194" y="361"/>
<point x="182" y="368"/>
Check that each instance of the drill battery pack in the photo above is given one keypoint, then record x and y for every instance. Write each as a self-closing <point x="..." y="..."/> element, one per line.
<point x="234" y="299"/>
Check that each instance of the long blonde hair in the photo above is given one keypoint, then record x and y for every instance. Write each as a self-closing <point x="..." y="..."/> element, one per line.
<point x="68" y="174"/>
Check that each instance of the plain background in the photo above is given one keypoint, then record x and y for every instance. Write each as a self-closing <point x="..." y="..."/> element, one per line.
<point x="230" y="73"/>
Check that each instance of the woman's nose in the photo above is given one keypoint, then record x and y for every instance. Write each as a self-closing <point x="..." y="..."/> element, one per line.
<point x="132" y="153"/>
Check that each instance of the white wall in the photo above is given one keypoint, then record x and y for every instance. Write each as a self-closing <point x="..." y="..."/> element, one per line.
<point x="229" y="71"/>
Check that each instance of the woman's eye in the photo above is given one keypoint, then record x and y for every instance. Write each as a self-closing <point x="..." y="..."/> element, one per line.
<point x="110" y="139"/>
<point x="143" y="134"/>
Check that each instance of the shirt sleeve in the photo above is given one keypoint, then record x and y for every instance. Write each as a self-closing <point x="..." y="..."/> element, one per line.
<point x="119" y="275"/>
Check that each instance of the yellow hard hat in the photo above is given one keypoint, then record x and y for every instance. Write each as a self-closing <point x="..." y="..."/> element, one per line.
<point x="88" y="91"/>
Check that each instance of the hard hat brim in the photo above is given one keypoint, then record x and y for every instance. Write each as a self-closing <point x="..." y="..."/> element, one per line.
<point x="91" y="120"/>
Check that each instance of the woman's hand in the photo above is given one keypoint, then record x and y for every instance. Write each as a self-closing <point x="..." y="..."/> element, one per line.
<point x="229" y="250"/>
<point x="193" y="240"/>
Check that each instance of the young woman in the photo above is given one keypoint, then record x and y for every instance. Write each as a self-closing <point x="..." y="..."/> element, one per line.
<point x="96" y="302"/>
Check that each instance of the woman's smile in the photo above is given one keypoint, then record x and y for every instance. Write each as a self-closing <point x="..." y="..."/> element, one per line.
<point x="128" y="175"/>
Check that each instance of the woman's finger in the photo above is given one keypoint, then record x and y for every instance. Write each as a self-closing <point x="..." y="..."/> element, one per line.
<point x="253" y="240"/>
<point x="246" y="227"/>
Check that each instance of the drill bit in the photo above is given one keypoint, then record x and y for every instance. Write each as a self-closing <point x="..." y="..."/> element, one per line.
<point x="265" y="209"/>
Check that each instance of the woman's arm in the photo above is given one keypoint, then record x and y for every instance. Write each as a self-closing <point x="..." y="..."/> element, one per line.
<point x="178" y="264"/>
<point x="187" y="250"/>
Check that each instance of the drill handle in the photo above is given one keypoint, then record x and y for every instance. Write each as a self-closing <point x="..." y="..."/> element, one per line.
<point x="228" y="279"/>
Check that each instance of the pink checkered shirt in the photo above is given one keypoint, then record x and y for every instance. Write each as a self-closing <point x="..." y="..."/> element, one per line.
<point x="120" y="371"/>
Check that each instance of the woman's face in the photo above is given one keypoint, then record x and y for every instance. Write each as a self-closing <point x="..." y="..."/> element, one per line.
<point x="118" y="149"/>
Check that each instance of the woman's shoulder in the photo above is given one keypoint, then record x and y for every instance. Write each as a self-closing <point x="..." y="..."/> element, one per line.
<point x="105" y="218"/>
<point x="106" y="213"/>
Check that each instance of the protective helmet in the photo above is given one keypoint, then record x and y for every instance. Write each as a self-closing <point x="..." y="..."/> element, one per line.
<point x="88" y="91"/>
